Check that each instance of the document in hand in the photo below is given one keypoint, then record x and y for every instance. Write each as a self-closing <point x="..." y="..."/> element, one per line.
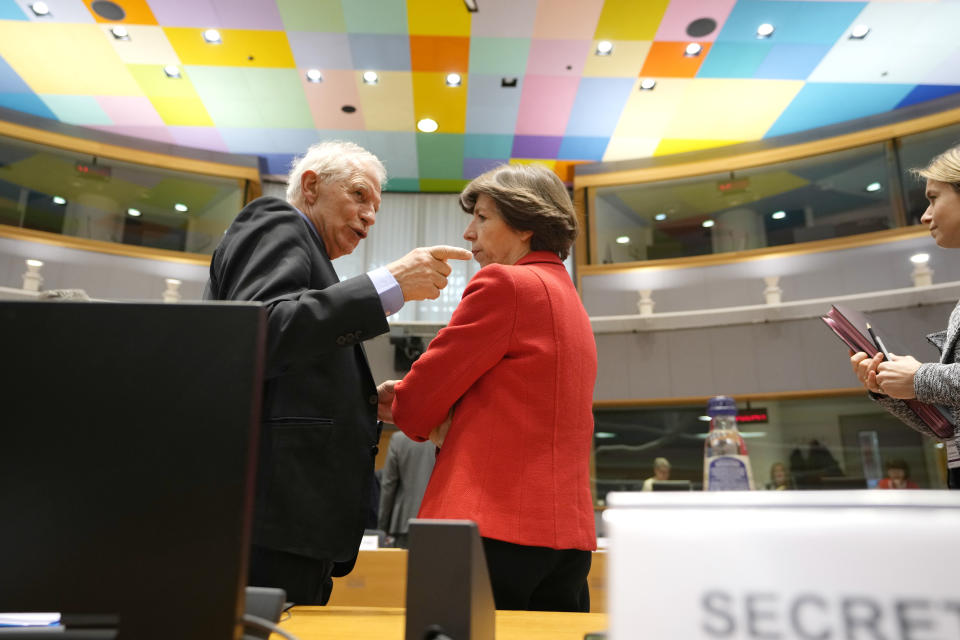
<point x="851" y="327"/>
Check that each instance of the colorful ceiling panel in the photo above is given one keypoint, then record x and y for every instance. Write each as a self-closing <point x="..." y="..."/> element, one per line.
<point x="287" y="73"/>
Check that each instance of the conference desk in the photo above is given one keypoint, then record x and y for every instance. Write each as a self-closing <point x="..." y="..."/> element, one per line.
<point x="387" y="623"/>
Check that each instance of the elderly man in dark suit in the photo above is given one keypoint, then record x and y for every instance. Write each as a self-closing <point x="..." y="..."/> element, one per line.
<point x="320" y="404"/>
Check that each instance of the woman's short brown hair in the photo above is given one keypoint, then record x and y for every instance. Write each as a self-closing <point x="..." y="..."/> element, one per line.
<point x="530" y="198"/>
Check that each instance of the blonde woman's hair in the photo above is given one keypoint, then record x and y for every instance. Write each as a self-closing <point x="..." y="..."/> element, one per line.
<point x="943" y="168"/>
<point x="332" y="161"/>
<point x="530" y="198"/>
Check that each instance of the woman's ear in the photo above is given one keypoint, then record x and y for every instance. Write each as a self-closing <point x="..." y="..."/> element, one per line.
<point x="526" y="235"/>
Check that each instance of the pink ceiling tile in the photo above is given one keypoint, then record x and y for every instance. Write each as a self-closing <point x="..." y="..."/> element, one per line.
<point x="220" y="14"/>
<point x="558" y="57"/>
<point x="200" y="137"/>
<point x="567" y="19"/>
<point x="545" y="105"/>
<point x="504" y="19"/>
<point x="681" y="13"/>
<point x="326" y="99"/>
<point x="130" y="110"/>
<point x="158" y="134"/>
<point x="185" y="13"/>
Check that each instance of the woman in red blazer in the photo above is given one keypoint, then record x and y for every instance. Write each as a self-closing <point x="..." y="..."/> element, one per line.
<point x="515" y="370"/>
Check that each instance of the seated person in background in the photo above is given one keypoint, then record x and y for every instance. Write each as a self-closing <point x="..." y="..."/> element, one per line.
<point x="515" y="371"/>
<point x="898" y="476"/>
<point x="661" y="471"/>
<point x="779" y="477"/>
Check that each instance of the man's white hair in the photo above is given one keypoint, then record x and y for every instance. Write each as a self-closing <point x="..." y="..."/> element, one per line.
<point x="332" y="161"/>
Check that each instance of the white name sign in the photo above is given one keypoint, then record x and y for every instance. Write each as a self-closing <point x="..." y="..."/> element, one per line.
<point x="837" y="565"/>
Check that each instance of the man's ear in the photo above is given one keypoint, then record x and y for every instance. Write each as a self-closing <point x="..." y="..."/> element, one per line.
<point x="308" y="186"/>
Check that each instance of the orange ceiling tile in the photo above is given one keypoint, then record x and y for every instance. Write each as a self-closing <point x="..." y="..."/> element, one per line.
<point x="138" y="12"/>
<point x="667" y="60"/>
<point x="439" y="53"/>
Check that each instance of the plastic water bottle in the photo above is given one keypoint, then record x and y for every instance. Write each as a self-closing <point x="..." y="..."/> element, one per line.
<point x="726" y="465"/>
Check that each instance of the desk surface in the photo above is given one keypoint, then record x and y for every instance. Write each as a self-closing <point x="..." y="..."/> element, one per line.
<point x="386" y="623"/>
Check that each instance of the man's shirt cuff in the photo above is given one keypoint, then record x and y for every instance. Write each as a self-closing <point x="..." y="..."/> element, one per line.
<point x="391" y="296"/>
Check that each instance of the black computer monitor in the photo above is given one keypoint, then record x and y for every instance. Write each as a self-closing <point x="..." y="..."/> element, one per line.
<point x="671" y="485"/>
<point x="128" y="438"/>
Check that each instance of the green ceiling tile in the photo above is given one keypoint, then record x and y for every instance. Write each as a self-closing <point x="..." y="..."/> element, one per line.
<point x="255" y="97"/>
<point x="312" y="15"/>
<point x="444" y="186"/>
<point x="499" y="56"/>
<point x="487" y="146"/>
<point x="375" y="16"/>
<point x="77" y="109"/>
<point x="440" y="155"/>
<point x="402" y="184"/>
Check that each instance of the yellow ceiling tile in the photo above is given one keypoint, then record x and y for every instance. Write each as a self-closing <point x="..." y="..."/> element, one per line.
<point x="240" y="48"/>
<point x="730" y="109"/>
<point x="669" y="146"/>
<point x="70" y="59"/>
<point x="184" y="112"/>
<point x="432" y="98"/>
<point x="155" y="84"/>
<point x="630" y="20"/>
<point x="647" y="114"/>
<point x="549" y="164"/>
<point x="625" y="61"/>
<point x="146" y="45"/>
<point x="387" y="105"/>
<point x="429" y="17"/>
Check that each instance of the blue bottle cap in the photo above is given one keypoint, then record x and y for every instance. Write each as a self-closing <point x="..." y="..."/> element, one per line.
<point x="721" y="406"/>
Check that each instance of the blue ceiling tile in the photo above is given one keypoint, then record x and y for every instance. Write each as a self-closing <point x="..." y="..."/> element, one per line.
<point x="795" y="22"/>
<point x="583" y="148"/>
<point x="924" y="92"/>
<point x="734" y="59"/>
<point x="821" y="104"/>
<point x="380" y="52"/>
<point x="599" y="102"/>
<point x="791" y="61"/>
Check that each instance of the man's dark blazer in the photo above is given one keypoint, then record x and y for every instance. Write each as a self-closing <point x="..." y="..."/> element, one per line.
<point x="319" y="431"/>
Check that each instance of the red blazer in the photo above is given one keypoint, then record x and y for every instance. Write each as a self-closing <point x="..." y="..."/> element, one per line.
<point x="519" y="362"/>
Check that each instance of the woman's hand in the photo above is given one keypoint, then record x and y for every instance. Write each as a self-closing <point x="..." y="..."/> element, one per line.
<point x="895" y="376"/>
<point x="865" y="368"/>
<point x="439" y="433"/>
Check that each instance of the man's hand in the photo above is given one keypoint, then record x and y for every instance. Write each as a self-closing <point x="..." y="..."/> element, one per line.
<point x="423" y="272"/>
<point x="439" y="433"/>
<point x="385" y="393"/>
<point x="895" y="376"/>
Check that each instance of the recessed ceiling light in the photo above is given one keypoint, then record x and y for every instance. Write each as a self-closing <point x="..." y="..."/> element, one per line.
<point x="508" y="83"/>
<point x="172" y="71"/>
<point x="604" y="48"/>
<point x="623" y="240"/>
<point x="133" y="212"/>
<point x="34" y="263"/>
<point x="704" y="418"/>
<point x="314" y="75"/>
<point x="427" y="125"/>
<point x="708" y="223"/>
<point x="765" y="30"/>
<point x="873" y="186"/>
<point x="454" y="80"/>
<point x="370" y="77"/>
<point x="471" y="5"/>
<point x="660" y="216"/>
<point x="40" y="9"/>
<point x="604" y="434"/>
<point x="859" y="32"/>
<point x="920" y="258"/>
<point x="59" y="200"/>
<point x="778" y="215"/>
<point x="120" y="32"/>
<point x="212" y="36"/>
<point x="182" y="208"/>
<point x="693" y="49"/>
<point x="647" y="84"/>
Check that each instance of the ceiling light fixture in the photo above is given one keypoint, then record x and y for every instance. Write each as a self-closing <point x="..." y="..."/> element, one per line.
<point x="647" y="84"/>
<point x="454" y="80"/>
<point x="708" y="223"/>
<point x="212" y="36"/>
<point x="604" y="435"/>
<point x="508" y="83"/>
<point x="859" y="32"/>
<point x="172" y="71"/>
<point x="40" y="9"/>
<point x="778" y="215"/>
<point x="59" y="200"/>
<point x="660" y="216"/>
<point x="604" y="48"/>
<point x="133" y="212"/>
<point x="873" y="186"/>
<point x="370" y="77"/>
<point x="428" y="125"/>
<point x="120" y="32"/>
<point x="182" y="208"/>
<point x="693" y="49"/>
<point x="623" y="240"/>
<point x="471" y="5"/>
<point x="765" y="30"/>
<point x="314" y="75"/>
<point x="920" y="258"/>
